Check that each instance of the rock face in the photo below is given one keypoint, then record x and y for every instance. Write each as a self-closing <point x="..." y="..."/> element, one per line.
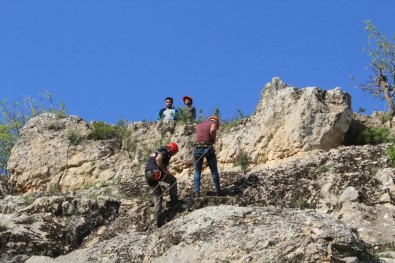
<point x="52" y="226"/>
<point x="303" y="197"/>
<point x="208" y="235"/>
<point x="289" y="120"/>
<point x="286" y="121"/>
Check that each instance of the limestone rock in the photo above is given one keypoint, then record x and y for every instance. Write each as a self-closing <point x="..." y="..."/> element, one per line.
<point x="286" y="121"/>
<point x="233" y="234"/>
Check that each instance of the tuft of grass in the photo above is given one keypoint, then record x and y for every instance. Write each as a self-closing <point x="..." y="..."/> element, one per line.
<point x="391" y="155"/>
<point x="28" y="200"/>
<point x="55" y="126"/>
<point x="74" y="137"/>
<point x="88" y="185"/>
<point x="325" y="168"/>
<point x="243" y="160"/>
<point x="54" y="190"/>
<point x="3" y="227"/>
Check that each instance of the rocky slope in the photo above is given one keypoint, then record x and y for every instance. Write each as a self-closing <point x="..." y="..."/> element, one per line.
<point x="304" y="197"/>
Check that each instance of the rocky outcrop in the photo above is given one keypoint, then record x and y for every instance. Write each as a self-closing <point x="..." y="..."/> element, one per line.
<point x="303" y="197"/>
<point x="343" y="185"/>
<point x="208" y="235"/>
<point x="52" y="226"/>
<point x="286" y="121"/>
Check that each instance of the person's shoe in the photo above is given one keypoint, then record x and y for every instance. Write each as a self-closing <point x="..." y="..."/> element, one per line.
<point x="174" y="201"/>
<point x="220" y="193"/>
<point x="197" y="194"/>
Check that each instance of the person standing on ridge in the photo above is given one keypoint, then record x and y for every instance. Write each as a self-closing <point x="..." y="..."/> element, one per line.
<point x="156" y="172"/>
<point x="189" y="111"/>
<point x="168" y="113"/>
<point x="206" y="133"/>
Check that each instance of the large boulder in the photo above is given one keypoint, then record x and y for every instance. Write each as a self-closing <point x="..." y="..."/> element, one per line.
<point x="288" y="120"/>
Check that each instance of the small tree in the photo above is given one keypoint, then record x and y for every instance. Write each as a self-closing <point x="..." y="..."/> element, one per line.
<point x="15" y="115"/>
<point x="382" y="53"/>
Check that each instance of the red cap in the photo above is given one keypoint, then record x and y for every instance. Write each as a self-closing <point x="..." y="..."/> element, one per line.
<point x="187" y="97"/>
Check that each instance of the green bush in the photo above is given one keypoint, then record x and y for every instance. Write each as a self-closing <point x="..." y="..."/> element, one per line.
<point x="3" y="227"/>
<point x="243" y="160"/>
<point x="74" y="137"/>
<point x="391" y="155"/>
<point x="377" y="135"/>
<point x="14" y="115"/>
<point x="104" y="131"/>
<point x="55" y="126"/>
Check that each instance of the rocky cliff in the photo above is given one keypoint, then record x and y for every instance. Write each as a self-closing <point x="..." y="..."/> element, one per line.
<point x="304" y="196"/>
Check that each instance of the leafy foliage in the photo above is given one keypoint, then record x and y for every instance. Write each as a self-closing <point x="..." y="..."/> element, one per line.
<point x="243" y="160"/>
<point x="104" y="131"/>
<point x="14" y="117"/>
<point x="377" y="135"/>
<point x="382" y="54"/>
<point x="391" y="155"/>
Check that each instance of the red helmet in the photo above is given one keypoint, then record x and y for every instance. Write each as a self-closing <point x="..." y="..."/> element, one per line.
<point x="173" y="148"/>
<point x="187" y="97"/>
<point x="214" y="118"/>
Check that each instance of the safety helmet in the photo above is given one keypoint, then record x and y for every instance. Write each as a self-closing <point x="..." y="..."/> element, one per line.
<point x="215" y="118"/>
<point x="173" y="148"/>
<point x="187" y="97"/>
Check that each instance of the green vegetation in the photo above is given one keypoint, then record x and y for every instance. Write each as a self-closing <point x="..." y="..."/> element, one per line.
<point x="54" y="190"/>
<point x="3" y="227"/>
<point x="384" y="117"/>
<point x="325" y="168"/>
<point x="391" y="155"/>
<point x="88" y="185"/>
<point x="104" y="131"/>
<point x="55" y="126"/>
<point x="382" y="54"/>
<point x="377" y="135"/>
<point x="300" y="202"/>
<point x="74" y="137"/>
<point x="14" y="116"/>
<point x="243" y="160"/>
<point x="28" y="200"/>
<point x="229" y="123"/>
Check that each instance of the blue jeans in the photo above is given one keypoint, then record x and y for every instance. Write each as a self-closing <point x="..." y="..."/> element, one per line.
<point x="211" y="157"/>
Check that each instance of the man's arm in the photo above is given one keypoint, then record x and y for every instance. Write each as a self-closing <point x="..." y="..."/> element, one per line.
<point x="213" y="131"/>
<point x="159" y="163"/>
<point x="160" y="113"/>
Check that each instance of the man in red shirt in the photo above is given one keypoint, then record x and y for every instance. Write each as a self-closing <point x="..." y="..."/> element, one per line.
<point x="206" y="133"/>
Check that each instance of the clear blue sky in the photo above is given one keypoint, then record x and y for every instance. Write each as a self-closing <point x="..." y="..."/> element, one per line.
<point x="119" y="59"/>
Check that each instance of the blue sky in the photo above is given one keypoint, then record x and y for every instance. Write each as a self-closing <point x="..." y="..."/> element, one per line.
<point x="119" y="59"/>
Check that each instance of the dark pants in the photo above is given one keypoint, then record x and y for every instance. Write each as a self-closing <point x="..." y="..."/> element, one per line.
<point x="157" y="190"/>
<point x="211" y="157"/>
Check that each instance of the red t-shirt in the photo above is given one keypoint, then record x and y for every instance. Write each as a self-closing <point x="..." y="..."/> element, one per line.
<point x="203" y="132"/>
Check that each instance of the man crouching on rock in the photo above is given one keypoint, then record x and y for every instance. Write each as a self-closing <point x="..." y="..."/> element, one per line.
<point x="156" y="172"/>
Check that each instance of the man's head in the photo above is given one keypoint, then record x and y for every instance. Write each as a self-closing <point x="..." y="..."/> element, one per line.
<point x="172" y="148"/>
<point x="215" y="119"/>
<point x="187" y="100"/>
<point x="169" y="102"/>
